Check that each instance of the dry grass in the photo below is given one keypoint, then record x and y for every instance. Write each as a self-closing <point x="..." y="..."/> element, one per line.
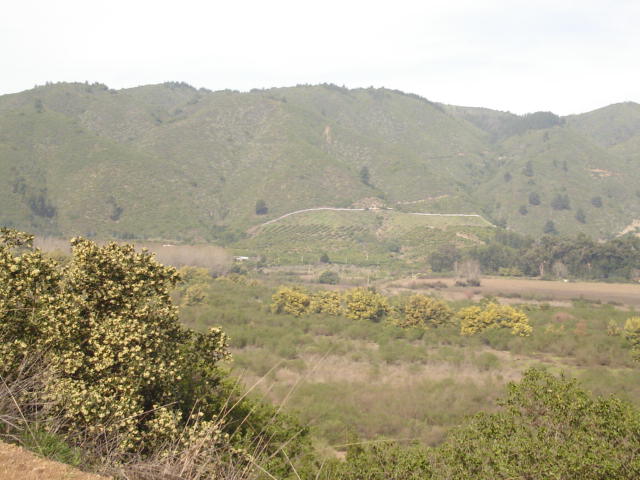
<point x="25" y="418"/>
<point x="215" y="259"/>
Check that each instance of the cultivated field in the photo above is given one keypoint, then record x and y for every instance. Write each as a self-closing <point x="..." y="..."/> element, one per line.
<point x="362" y="237"/>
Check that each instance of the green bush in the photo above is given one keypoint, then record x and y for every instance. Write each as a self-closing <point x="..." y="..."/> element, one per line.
<point x="328" y="277"/>
<point x="632" y="334"/>
<point x="548" y="428"/>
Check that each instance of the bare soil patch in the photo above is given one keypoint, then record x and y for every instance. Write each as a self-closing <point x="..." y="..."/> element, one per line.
<point x="19" y="464"/>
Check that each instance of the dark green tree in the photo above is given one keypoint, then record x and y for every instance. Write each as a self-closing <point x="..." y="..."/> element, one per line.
<point x="365" y="176"/>
<point x="561" y="202"/>
<point x="550" y="228"/>
<point x="534" y="198"/>
<point x="261" y="207"/>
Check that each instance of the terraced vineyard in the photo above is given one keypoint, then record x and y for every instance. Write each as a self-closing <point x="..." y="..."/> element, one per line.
<point x="365" y="237"/>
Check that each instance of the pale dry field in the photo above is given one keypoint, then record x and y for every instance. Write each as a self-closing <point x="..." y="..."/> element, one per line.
<point x="530" y="289"/>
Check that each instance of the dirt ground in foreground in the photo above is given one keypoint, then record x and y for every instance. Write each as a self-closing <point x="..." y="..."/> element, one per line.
<point x="19" y="464"/>
<point x="530" y="289"/>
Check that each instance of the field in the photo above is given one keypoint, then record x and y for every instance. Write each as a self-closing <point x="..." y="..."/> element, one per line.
<point x="408" y="384"/>
<point x="626" y="294"/>
<point x="362" y="237"/>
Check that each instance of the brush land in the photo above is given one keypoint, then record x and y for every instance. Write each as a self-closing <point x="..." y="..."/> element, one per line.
<point x="411" y="384"/>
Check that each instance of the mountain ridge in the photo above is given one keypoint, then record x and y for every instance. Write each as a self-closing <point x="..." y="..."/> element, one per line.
<point x="172" y="162"/>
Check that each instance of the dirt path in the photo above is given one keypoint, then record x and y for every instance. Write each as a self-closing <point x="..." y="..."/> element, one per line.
<point x="19" y="464"/>
<point x="364" y="209"/>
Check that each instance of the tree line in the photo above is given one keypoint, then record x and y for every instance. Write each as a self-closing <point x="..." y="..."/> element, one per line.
<point x="550" y="256"/>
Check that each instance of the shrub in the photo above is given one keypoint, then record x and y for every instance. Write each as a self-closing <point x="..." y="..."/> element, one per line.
<point x="534" y="199"/>
<point x="329" y="278"/>
<point x="111" y="336"/>
<point x="364" y="304"/>
<point x="290" y="300"/>
<point x="632" y="334"/>
<point x="261" y="207"/>
<point x="385" y="460"/>
<point x="476" y="319"/>
<point x="547" y="427"/>
<point x="423" y="311"/>
<point x="326" y="301"/>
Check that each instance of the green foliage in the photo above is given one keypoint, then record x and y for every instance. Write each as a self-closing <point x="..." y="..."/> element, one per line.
<point x="476" y="319"/>
<point x="548" y="428"/>
<point x="364" y="175"/>
<point x="561" y="202"/>
<point x="632" y="334"/>
<point x="261" y="207"/>
<point x="534" y="199"/>
<point x="444" y="259"/>
<point x="53" y="446"/>
<point x="364" y="304"/>
<point x="384" y="460"/>
<point x="550" y="228"/>
<point x="328" y="277"/>
<point x="422" y="311"/>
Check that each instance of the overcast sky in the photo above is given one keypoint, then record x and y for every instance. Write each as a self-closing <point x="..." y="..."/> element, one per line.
<point x="522" y="56"/>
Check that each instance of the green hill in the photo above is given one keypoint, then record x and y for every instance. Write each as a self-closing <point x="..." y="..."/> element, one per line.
<point x="171" y="162"/>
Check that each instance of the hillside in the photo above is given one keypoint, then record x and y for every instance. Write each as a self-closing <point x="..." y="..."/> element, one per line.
<point x="361" y="236"/>
<point x="170" y="162"/>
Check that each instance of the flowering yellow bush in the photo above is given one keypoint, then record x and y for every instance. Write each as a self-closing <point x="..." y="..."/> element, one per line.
<point x="423" y="311"/>
<point x="363" y="304"/>
<point x="290" y="300"/>
<point x="476" y="319"/>
<point x="326" y="301"/>
<point x="106" y="326"/>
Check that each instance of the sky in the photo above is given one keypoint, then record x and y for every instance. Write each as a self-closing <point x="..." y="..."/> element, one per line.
<point x="561" y="56"/>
